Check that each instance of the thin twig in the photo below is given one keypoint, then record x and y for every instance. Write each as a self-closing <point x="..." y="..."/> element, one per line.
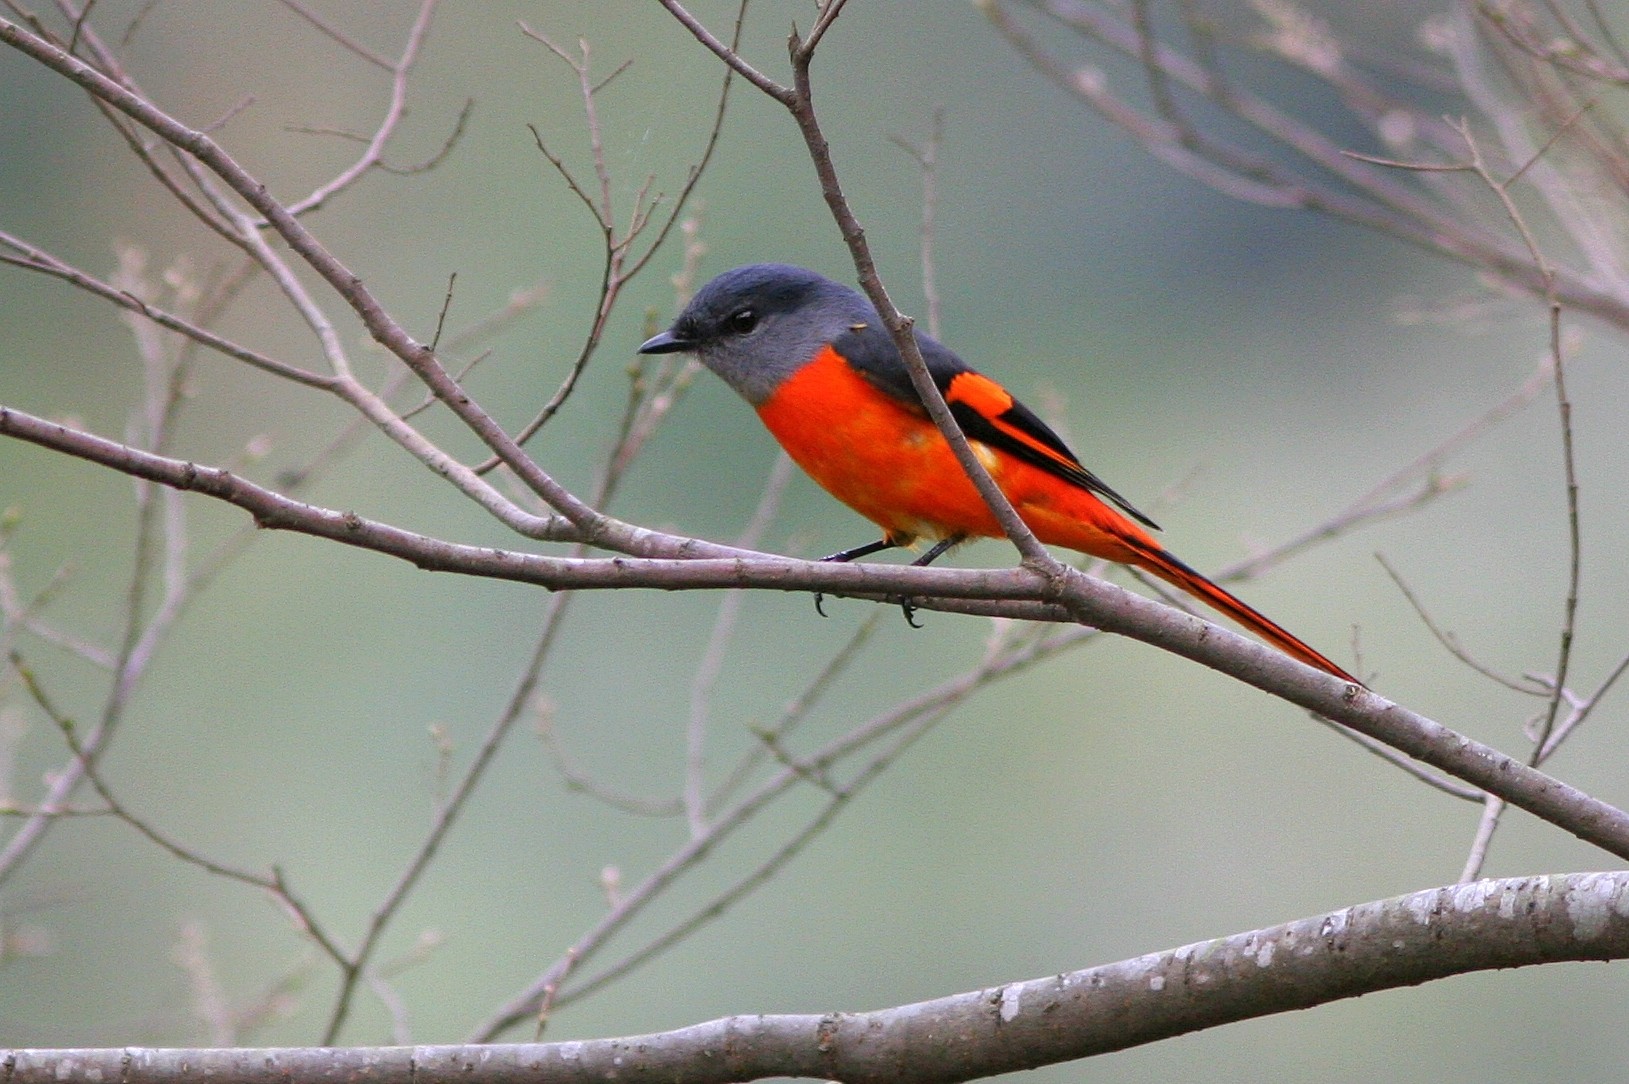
<point x="354" y="965"/>
<point x="35" y="259"/>
<point x="1492" y="807"/>
<point x="339" y="36"/>
<point x="1501" y="189"/>
<point x="801" y="105"/>
<point x="1583" y="710"/>
<point x="1449" y="640"/>
<point x="395" y="110"/>
<point x="621" y="264"/>
<point x="905" y="721"/>
<point x="927" y="160"/>
<point x="712" y="659"/>
<point x="83" y="756"/>
<point x="1398" y="760"/>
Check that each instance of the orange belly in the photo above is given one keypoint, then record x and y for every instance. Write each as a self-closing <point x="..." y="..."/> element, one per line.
<point x="889" y="463"/>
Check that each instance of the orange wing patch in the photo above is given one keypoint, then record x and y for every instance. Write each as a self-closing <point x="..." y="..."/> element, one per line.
<point x="980" y="393"/>
<point x="990" y="400"/>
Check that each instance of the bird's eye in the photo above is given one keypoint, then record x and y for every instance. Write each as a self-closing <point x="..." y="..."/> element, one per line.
<point x="741" y="321"/>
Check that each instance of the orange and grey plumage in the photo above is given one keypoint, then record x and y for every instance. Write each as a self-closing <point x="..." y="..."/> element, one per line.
<point x="814" y="360"/>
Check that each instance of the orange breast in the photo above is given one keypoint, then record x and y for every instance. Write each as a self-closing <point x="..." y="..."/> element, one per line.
<point x="888" y="462"/>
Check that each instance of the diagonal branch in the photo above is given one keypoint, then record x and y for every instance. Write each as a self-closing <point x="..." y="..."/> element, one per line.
<point x="346" y="283"/>
<point x="1013" y="592"/>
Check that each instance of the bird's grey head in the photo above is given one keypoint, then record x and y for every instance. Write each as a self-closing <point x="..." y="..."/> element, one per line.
<point x="757" y="325"/>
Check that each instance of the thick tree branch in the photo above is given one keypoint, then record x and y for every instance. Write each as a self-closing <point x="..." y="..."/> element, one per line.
<point x="1403" y="941"/>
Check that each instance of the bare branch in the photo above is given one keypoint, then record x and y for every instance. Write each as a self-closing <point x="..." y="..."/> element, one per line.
<point x="1398" y="760"/>
<point x="34" y="259"/>
<point x="1492" y="807"/>
<point x="621" y="265"/>
<point x="1358" y="193"/>
<point x="274" y="884"/>
<point x="927" y="159"/>
<point x="1386" y="944"/>
<point x="1089" y="600"/>
<point x="727" y="53"/>
<point x="800" y="104"/>
<point x="1501" y="188"/>
<point x="348" y="286"/>
<point x="339" y="36"/>
<point x="1449" y="640"/>
<point x="400" y="69"/>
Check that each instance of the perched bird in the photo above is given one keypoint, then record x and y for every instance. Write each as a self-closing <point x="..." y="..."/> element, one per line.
<point x="814" y="359"/>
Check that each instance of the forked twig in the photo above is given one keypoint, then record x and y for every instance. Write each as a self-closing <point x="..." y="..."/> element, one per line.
<point x="274" y="883"/>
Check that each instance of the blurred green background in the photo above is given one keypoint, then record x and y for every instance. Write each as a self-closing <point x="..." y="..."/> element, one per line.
<point x="1112" y="802"/>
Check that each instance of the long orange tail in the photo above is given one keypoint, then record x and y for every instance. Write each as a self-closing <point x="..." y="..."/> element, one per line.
<point x="1071" y="516"/>
<point x="1168" y="568"/>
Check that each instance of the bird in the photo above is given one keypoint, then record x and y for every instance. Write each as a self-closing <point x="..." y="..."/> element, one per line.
<point x="814" y="359"/>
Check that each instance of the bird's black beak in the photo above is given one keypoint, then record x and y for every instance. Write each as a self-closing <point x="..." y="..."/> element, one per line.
<point x="666" y="343"/>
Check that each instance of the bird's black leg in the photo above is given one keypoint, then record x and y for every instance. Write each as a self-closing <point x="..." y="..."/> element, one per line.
<point x="938" y="550"/>
<point x="845" y="556"/>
